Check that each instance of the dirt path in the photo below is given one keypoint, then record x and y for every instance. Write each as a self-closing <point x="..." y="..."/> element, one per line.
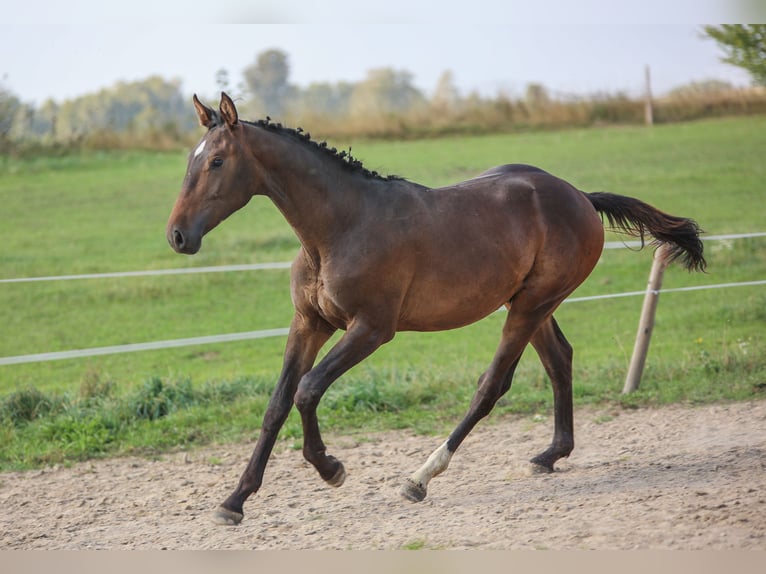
<point x="676" y="478"/>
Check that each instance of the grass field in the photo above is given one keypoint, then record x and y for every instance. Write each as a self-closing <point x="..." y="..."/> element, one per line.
<point x="107" y="212"/>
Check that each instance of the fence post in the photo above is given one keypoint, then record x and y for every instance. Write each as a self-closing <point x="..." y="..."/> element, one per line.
<point x="646" y="322"/>
<point x="648" y="109"/>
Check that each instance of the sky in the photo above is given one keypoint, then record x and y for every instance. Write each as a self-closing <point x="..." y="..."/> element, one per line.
<point x="60" y="50"/>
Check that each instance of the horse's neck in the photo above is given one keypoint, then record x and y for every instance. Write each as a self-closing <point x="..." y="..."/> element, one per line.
<point x="316" y="194"/>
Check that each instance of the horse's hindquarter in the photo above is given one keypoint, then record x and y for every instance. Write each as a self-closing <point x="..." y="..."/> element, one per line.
<point x="487" y="237"/>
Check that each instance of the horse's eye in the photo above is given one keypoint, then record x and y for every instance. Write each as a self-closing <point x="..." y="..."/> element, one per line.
<point x="217" y="162"/>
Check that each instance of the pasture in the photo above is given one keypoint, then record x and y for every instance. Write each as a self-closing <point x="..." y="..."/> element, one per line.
<point x="105" y="212"/>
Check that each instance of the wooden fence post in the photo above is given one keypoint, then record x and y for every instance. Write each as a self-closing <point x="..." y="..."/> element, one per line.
<point x="646" y="322"/>
<point x="648" y="108"/>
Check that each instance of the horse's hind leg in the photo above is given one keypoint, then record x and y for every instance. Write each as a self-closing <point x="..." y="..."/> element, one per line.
<point x="517" y="332"/>
<point x="414" y="489"/>
<point x="556" y="356"/>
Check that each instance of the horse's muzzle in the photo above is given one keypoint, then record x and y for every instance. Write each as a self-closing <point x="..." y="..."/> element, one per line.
<point x="183" y="242"/>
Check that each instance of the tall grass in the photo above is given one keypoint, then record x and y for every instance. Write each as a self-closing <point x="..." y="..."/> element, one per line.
<point x="504" y="114"/>
<point x="39" y="428"/>
<point x="45" y="428"/>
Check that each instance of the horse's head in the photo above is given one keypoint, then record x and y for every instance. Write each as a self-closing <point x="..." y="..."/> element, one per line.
<point x="219" y="178"/>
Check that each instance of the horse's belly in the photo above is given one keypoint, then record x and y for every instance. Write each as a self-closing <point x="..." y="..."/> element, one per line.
<point x="451" y="307"/>
<point x="440" y="321"/>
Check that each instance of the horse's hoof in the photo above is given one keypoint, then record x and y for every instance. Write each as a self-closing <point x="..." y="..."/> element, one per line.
<point x="413" y="491"/>
<point x="339" y="477"/>
<point x="227" y="517"/>
<point x="535" y="468"/>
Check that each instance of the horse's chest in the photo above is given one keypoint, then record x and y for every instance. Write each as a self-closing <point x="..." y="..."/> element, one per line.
<point x="329" y="305"/>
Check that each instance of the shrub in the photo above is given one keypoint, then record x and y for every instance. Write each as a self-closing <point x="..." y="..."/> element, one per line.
<point x="155" y="399"/>
<point x="27" y="405"/>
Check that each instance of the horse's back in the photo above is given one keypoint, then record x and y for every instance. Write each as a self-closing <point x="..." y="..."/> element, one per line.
<point x="512" y="168"/>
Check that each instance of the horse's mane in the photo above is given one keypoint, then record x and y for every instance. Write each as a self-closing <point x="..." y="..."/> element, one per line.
<point x="303" y="137"/>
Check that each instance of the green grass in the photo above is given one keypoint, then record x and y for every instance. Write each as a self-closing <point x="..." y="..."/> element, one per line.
<point x="107" y="211"/>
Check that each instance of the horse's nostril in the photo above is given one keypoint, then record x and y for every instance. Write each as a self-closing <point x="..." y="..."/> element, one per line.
<point x="178" y="238"/>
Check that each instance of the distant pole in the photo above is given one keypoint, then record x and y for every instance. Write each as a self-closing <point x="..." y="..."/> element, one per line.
<point x="646" y="322"/>
<point x="648" y="112"/>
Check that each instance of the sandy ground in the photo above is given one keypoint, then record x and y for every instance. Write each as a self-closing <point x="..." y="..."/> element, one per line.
<point x="669" y="478"/>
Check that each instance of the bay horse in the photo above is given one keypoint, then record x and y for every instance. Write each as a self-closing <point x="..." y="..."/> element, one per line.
<point x="382" y="254"/>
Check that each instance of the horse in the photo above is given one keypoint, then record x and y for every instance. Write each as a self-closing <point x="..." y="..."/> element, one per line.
<point x="380" y="254"/>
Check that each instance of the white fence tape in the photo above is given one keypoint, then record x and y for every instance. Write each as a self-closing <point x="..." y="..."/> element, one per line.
<point x="284" y="264"/>
<point x="620" y="244"/>
<point x="134" y="347"/>
<point x="153" y="272"/>
<point x="673" y="290"/>
<point x="156" y="345"/>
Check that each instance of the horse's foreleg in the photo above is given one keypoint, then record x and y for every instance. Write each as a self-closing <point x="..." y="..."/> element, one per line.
<point x="555" y="353"/>
<point x="359" y="342"/>
<point x="303" y="344"/>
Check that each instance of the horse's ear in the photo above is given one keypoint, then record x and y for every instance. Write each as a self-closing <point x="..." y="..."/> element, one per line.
<point x="206" y="115"/>
<point x="228" y="110"/>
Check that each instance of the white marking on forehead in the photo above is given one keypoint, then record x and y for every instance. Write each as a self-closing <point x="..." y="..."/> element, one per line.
<point x="200" y="147"/>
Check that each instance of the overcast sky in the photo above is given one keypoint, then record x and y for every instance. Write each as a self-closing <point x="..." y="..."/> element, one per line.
<point x="54" y="49"/>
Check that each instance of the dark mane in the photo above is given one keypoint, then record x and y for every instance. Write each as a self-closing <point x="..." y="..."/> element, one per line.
<point x="342" y="157"/>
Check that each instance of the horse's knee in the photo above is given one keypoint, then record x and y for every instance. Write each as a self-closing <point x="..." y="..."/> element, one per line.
<point x="306" y="398"/>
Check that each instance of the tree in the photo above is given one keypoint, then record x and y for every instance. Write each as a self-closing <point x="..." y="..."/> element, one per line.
<point x="744" y="46"/>
<point x="446" y="95"/>
<point x="44" y="120"/>
<point x="385" y="92"/>
<point x="266" y="79"/>
<point x="222" y="80"/>
<point x="323" y="98"/>
<point x="153" y="105"/>
<point x="536" y="96"/>
<point x="9" y="106"/>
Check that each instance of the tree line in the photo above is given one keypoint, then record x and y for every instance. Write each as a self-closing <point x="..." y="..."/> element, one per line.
<point x="157" y="107"/>
<point x="155" y="112"/>
<point x="149" y="107"/>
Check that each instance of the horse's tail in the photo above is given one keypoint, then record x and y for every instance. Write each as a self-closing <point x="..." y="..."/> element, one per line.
<point x="637" y="218"/>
